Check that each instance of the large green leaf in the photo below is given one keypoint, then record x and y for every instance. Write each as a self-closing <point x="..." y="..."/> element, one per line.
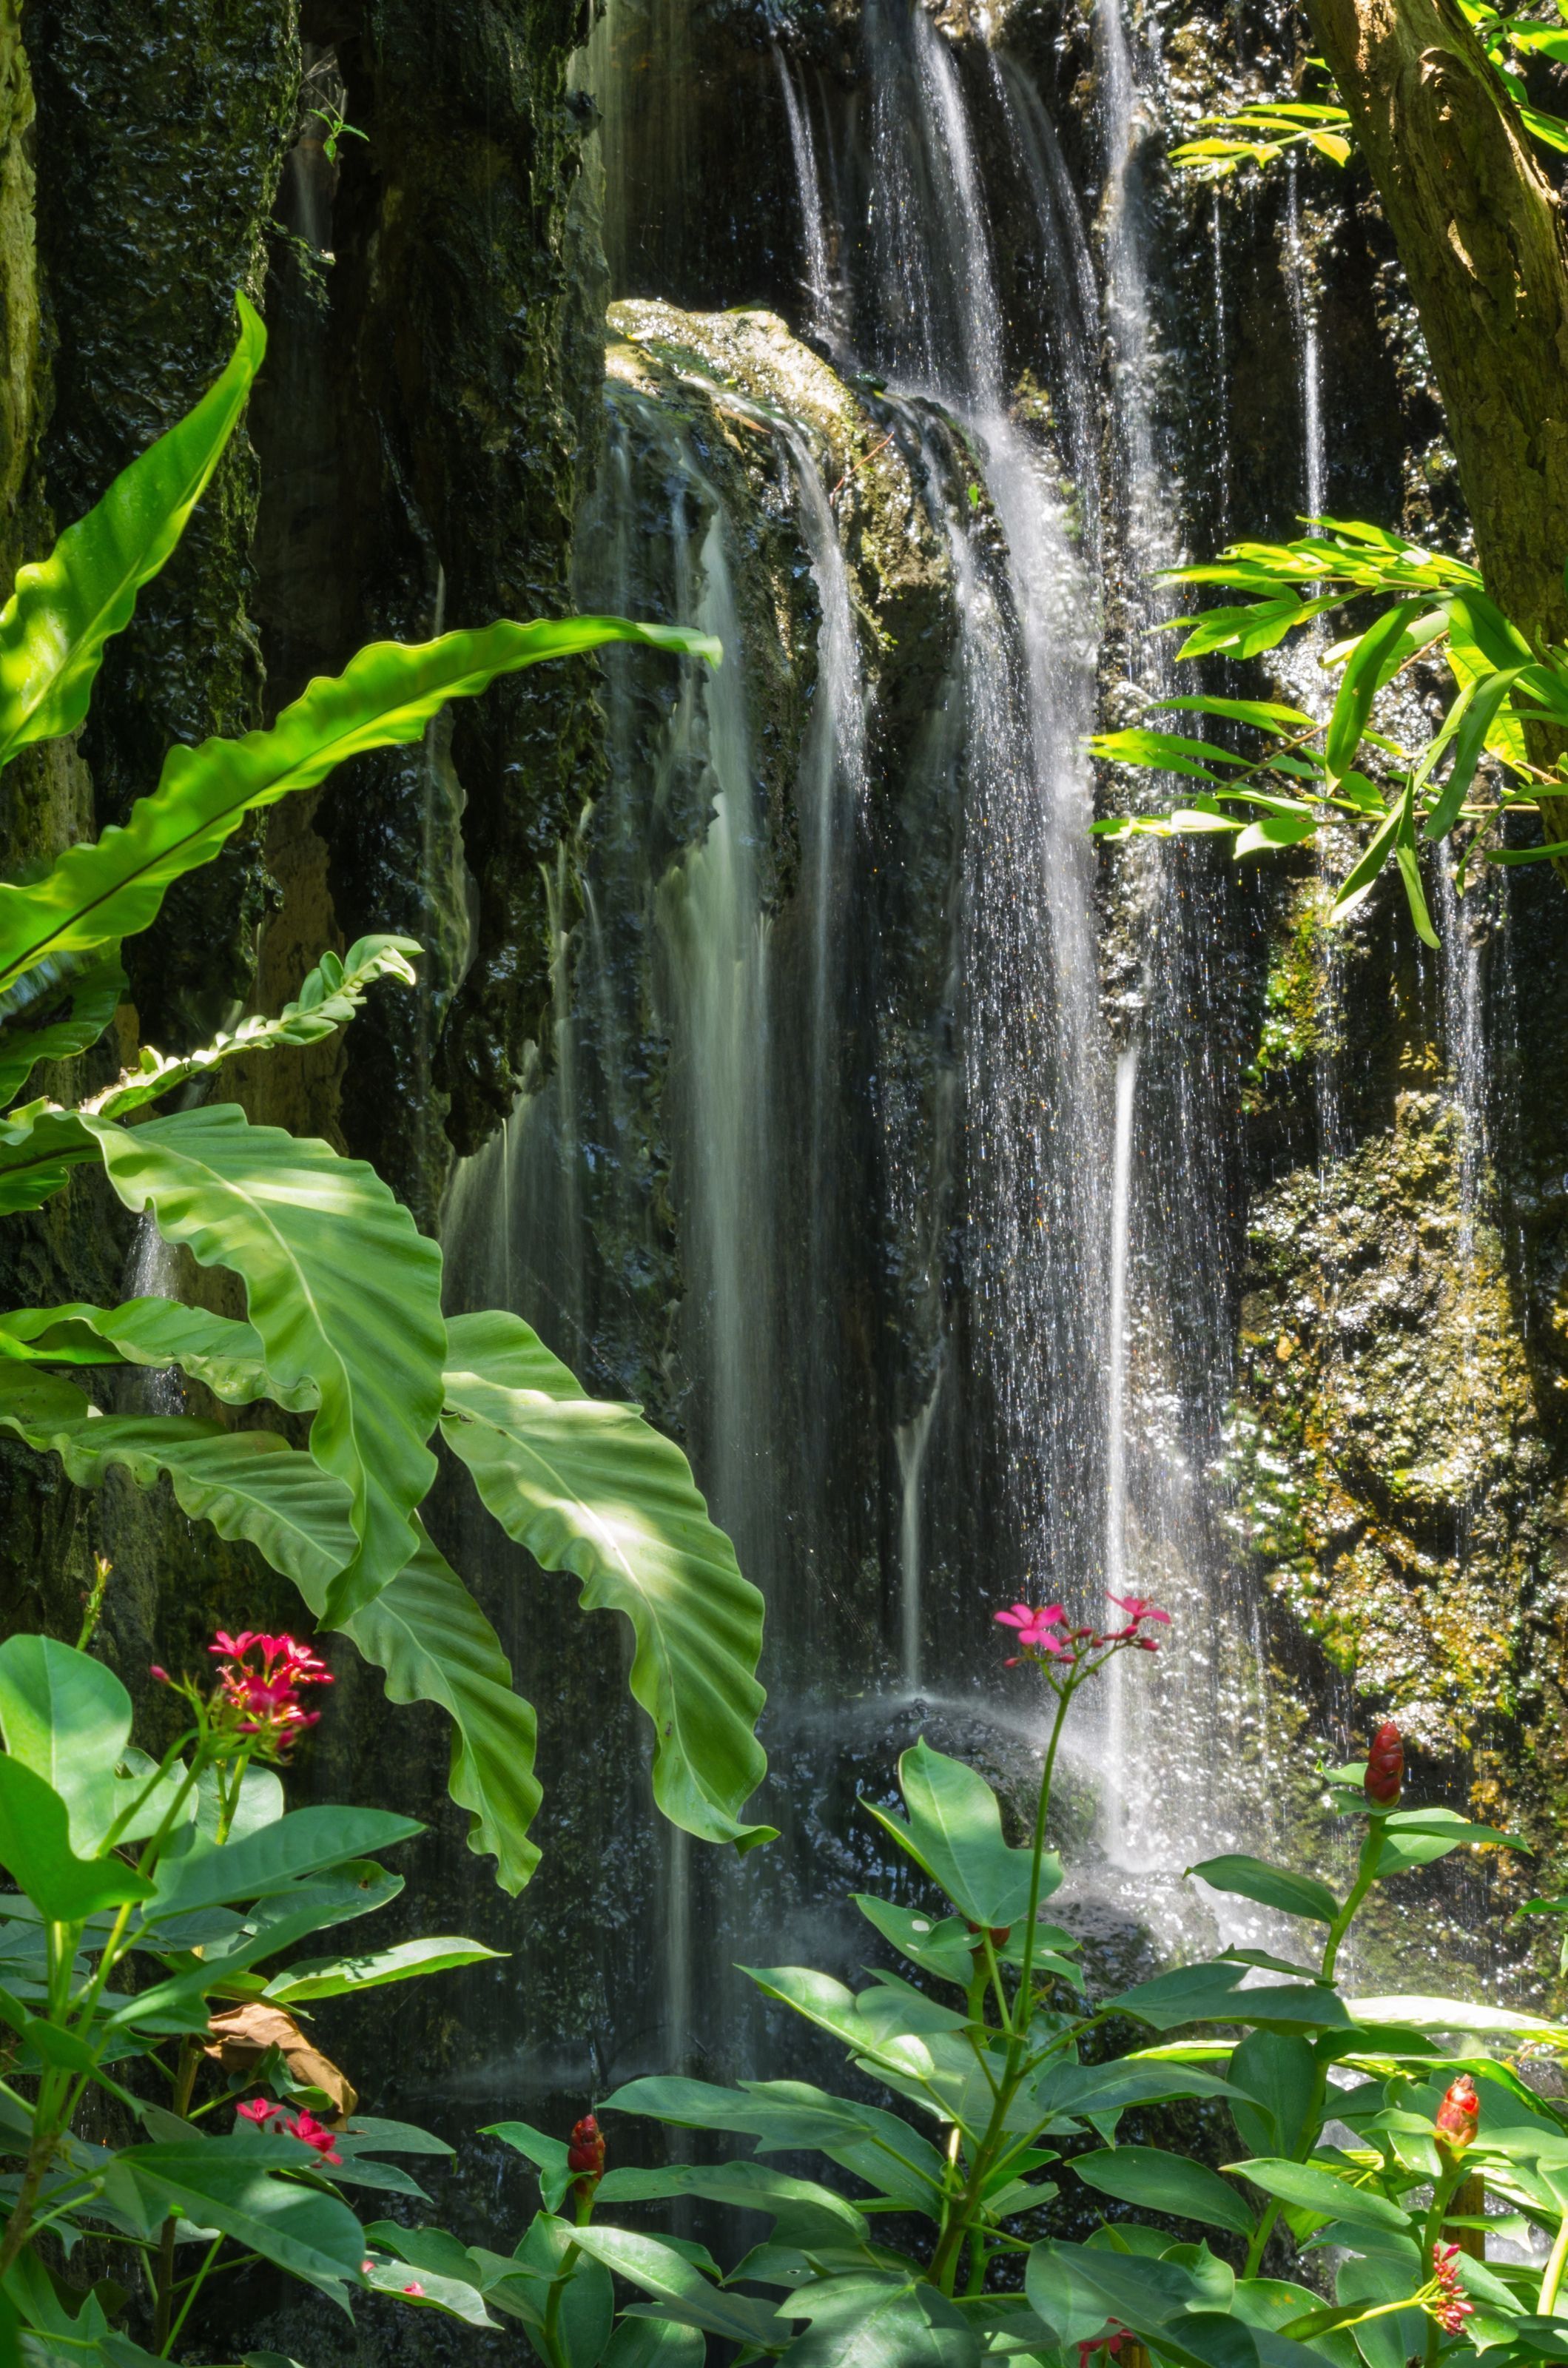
<point x="274" y="1857"/>
<point x="1165" y="2182"/>
<point x="791" y="2115"/>
<point x="232" y="2183"/>
<point x="590" y="1487"/>
<point x="435" y="1645"/>
<point x="872" y="2320"/>
<point x="343" y="1290"/>
<point x="677" y="2286"/>
<point x="57" y="1009"/>
<point x="111" y="887"/>
<point x="425" y="1631"/>
<point x="329" y="996"/>
<point x="66" y="607"/>
<point x="955" y="1834"/>
<point x="1271" y="1886"/>
<point x="39" y="1144"/>
<point x="1312" y="2187"/>
<point x="814" y="2214"/>
<point x="68" y="1719"/>
<point x="214" y="1349"/>
<point x="322" y="1977"/>
<point x="35" y="1847"/>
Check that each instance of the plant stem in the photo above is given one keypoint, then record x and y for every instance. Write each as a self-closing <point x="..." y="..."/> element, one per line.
<point x="956" y="2221"/>
<point x="1260" y="2239"/>
<point x="1366" y="1875"/>
<point x="558" y="2285"/>
<point x="1556" y="2262"/>
<point x="191" y="2292"/>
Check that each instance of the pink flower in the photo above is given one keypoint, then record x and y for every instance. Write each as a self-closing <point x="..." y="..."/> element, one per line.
<point x="1137" y="1608"/>
<point x="415" y="2288"/>
<point x="260" y="2110"/>
<point x="1449" y="2306"/>
<point x="310" y="2132"/>
<point x="263" y="1701"/>
<point x="1034" y="1627"/>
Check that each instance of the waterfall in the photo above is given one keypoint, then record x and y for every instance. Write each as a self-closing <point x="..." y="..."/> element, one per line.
<point x="1303" y="309"/>
<point x="817" y="279"/>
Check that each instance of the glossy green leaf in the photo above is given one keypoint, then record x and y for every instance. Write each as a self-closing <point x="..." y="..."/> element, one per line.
<point x="654" y="2344"/>
<point x="943" y="1946"/>
<point x="1246" y="632"/>
<point x="330" y="996"/>
<point x="1440" y="2014"/>
<point x="815" y="2214"/>
<point x="1383" y="2342"/>
<point x="343" y="1290"/>
<point x="791" y="2115"/>
<point x="232" y="2183"/>
<point x="1165" y="2182"/>
<point x="303" y="1842"/>
<point x="435" y="1645"/>
<point x="112" y="887"/>
<point x="322" y="1977"/>
<point x="39" y="1147"/>
<point x="590" y="1487"/>
<point x="1266" y="714"/>
<point x="1363" y="677"/>
<point x="1357" y="881"/>
<point x="68" y="1719"/>
<point x="213" y="1349"/>
<point x="57" y="1010"/>
<point x="35" y="1849"/>
<point x="1312" y="2188"/>
<point x="878" y="2320"/>
<point x="954" y="1834"/>
<point x="680" y="2288"/>
<point x="1481" y="709"/>
<point x="1271" y="1886"/>
<point x="1273" y="831"/>
<point x="1277" y="2075"/>
<point x="65" y="608"/>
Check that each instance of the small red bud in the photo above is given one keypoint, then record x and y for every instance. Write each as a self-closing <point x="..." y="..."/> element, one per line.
<point x="1459" y="2115"/>
<point x="585" y="2155"/>
<point x="1384" y="1779"/>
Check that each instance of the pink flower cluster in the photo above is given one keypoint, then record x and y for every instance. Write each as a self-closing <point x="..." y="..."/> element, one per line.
<point x="1044" y="1635"/>
<point x="267" y="1696"/>
<point x="274" y="2118"/>
<point x="1451" y="2306"/>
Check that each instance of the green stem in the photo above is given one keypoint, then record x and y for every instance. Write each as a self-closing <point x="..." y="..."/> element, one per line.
<point x="956" y="2221"/>
<point x="1263" y="2231"/>
<point x="1366" y="1875"/>
<point x="1556" y="2262"/>
<point x="558" y="2285"/>
<point x="192" y="2291"/>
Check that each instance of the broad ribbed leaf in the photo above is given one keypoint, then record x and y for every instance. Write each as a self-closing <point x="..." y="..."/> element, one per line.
<point x="815" y="2215"/>
<point x="39" y="1147"/>
<point x="232" y="2183"/>
<point x="111" y="887"/>
<point x="425" y="1631"/>
<point x="248" y="1484"/>
<point x="1160" y="2181"/>
<point x="343" y="1290"/>
<point x="678" y="2286"/>
<point x="791" y="2116"/>
<point x="56" y="1010"/>
<point x="319" y="1977"/>
<point x="872" y="2320"/>
<point x="588" y="1486"/>
<point x="435" y="1645"/>
<point x="1271" y="1886"/>
<point x="1364" y="674"/>
<point x="35" y="1849"/>
<point x="68" y="1719"/>
<point x="1312" y="2188"/>
<point x="65" y="608"/>
<point x="955" y="1834"/>
<point x="226" y="1356"/>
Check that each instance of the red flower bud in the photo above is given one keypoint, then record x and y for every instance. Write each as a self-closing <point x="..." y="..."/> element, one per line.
<point x="1459" y="2115"/>
<point x="1385" y="1766"/>
<point x="585" y="2155"/>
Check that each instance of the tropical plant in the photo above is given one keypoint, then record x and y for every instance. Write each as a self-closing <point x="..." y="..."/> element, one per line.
<point x="138" y="1950"/>
<point x="1364" y="2153"/>
<point x="1305" y="775"/>
<point x="343" y="1294"/>
<point x="1262" y="133"/>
